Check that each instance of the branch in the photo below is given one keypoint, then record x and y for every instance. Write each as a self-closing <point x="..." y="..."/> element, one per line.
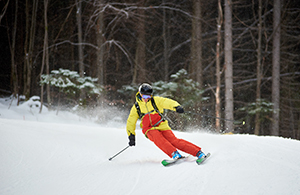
<point x="4" y="10"/>
<point x="238" y="38"/>
<point x="252" y="80"/>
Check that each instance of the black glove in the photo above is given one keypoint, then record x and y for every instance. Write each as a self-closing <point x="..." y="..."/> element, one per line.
<point x="131" y="140"/>
<point x="179" y="109"/>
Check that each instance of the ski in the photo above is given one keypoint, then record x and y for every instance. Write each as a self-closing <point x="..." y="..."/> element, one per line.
<point x="201" y="160"/>
<point x="169" y="162"/>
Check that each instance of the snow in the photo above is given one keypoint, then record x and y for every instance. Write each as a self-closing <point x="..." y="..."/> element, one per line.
<point x="66" y="154"/>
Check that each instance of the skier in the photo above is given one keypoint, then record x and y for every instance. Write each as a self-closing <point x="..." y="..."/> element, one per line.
<point x="150" y="109"/>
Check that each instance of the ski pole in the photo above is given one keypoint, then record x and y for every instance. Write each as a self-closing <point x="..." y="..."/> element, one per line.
<point x="118" y="153"/>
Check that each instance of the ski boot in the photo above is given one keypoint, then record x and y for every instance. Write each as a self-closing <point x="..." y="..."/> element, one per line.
<point x="201" y="157"/>
<point x="176" y="155"/>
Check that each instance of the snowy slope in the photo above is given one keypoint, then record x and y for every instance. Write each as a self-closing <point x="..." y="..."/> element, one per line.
<point x="49" y="154"/>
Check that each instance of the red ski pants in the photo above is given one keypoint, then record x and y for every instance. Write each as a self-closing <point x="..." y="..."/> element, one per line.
<point x="168" y="143"/>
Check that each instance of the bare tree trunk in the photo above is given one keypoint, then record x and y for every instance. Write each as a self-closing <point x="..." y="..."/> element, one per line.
<point x="196" y="64"/>
<point x="195" y="69"/>
<point x="26" y="57"/>
<point x="259" y="71"/>
<point x="79" y="28"/>
<point x="218" y="71"/>
<point x="80" y="47"/>
<point x="100" y="42"/>
<point x="276" y="68"/>
<point x="140" y="54"/>
<point x="48" y="72"/>
<point x="45" y="51"/>
<point x="29" y="53"/>
<point x="166" y="45"/>
<point x="14" y="75"/>
<point x="228" y="66"/>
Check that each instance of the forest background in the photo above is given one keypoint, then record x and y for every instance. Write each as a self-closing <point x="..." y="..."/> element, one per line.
<point x="233" y="59"/>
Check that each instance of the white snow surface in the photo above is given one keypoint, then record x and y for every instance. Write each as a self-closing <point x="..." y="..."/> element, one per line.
<point x="65" y="154"/>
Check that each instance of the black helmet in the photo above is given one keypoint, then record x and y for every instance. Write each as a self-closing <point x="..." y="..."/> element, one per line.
<point x="145" y="89"/>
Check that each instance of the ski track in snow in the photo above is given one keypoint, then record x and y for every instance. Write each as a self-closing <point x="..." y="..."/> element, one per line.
<point x="51" y="156"/>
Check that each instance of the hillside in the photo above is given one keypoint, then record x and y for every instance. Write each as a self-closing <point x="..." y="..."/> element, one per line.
<point x="64" y="155"/>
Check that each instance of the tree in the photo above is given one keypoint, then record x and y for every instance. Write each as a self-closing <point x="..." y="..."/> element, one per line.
<point x="140" y="71"/>
<point x="228" y="66"/>
<point x="71" y="84"/>
<point x="259" y="71"/>
<point x="289" y="60"/>
<point x="14" y="75"/>
<point x="29" y="46"/>
<point x="276" y="68"/>
<point x="196" y="49"/>
<point x="100" y="43"/>
<point x="45" y="59"/>
<point x="80" y="42"/>
<point x="165" y="36"/>
<point x="218" y="71"/>
<point x="79" y="35"/>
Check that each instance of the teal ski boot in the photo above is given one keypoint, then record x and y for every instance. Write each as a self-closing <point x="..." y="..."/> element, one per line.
<point x="201" y="157"/>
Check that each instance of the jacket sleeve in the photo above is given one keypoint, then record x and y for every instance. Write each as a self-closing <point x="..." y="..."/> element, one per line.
<point x="166" y="103"/>
<point x="131" y="121"/>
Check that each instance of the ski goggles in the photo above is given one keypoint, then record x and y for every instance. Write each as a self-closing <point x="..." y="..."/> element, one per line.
<point x="146" y="96"/>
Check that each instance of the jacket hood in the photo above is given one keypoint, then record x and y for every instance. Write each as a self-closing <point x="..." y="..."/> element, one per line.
<point x="138" y="97"/>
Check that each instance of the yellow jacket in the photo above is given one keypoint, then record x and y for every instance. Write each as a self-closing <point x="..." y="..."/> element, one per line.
<point x="147" y="109"/>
